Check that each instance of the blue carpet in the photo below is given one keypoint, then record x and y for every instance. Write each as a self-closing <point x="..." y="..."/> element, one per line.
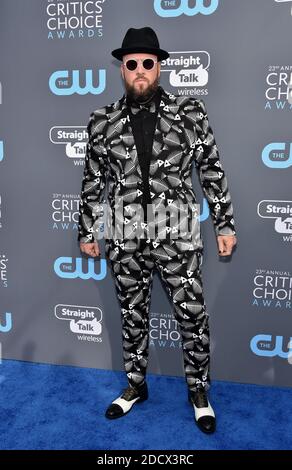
<point x="59" y="407"/>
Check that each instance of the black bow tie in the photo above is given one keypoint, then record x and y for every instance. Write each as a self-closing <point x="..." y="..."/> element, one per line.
<point x="136" y="107"/>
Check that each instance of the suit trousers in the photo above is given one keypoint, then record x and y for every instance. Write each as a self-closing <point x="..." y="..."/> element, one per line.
<point x="132" y="263"/>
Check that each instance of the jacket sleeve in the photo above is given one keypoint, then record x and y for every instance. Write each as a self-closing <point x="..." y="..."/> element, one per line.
<point x="91" y="214"/>
<point x="211" y="174"/>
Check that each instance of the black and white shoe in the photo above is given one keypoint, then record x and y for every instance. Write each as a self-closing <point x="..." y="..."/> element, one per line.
<point x="124" y="403"/>
<point x="204" y="413"/>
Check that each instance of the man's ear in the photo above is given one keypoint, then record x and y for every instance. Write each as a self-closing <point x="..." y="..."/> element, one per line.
<point x="122" y="71"/>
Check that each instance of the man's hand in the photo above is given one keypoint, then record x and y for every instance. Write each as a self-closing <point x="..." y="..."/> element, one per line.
<point x="226" y="244"/>
<point x="90" y="249"/>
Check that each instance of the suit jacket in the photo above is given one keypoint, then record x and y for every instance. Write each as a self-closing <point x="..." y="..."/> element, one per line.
<point x="182" y="136"/>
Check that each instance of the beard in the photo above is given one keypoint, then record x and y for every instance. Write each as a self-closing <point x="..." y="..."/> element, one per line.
<point x="143" y="95"/>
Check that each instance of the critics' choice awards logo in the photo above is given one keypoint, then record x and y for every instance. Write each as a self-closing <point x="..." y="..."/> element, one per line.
<point x="67" y="267"/>
<point x="272" y="289"/>
<point x="163" y="331"/>
<point x="174" y="8"/>
<point x="272" y="346"/>
<point x="65" y="211"/>
<point x="277" y="155"/>
<point x="73" y="138"/>
<point x="279" y="87"/>
<point x="66" y="83"/>
<point x="3" y="271"/>
<point x="188" y="71"/>
<point x="281" y="213"/>
<point x="85" y="322"/>
<point x="74" y="20"/>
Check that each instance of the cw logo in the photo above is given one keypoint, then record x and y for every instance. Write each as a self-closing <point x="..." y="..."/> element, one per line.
<point x="63" y="267"/>
<point x="205" y="211"/>
<point x="59" y="83"/>
<point x="8" y="323"/>
<point x="262" y="345"/>
<point x="277" y="151"/>
<point x="165" y="8"/>
<point x="1" y="150"/>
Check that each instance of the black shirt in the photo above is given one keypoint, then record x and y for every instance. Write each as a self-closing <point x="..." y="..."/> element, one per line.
<point x="143" y="119"/>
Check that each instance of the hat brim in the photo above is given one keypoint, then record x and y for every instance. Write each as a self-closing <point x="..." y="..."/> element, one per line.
<point x="119" y="53"/>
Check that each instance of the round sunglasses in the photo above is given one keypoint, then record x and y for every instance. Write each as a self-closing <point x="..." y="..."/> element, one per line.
<point x="132" y="64"/>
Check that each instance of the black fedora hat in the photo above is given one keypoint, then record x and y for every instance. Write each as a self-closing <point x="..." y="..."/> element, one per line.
<point x="140" y="40"/>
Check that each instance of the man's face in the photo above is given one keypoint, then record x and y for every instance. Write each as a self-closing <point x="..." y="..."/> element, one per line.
<point x="140" y="83"/>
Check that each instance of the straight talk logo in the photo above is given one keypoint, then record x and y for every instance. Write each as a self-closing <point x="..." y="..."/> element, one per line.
<point x="284" y="1"/>
<point x="281" y="212"/>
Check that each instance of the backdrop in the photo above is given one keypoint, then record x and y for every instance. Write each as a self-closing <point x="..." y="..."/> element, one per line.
<point x="55" y="69"/>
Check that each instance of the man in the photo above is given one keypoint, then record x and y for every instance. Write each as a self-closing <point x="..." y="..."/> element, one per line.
<point x="144" y="146"/>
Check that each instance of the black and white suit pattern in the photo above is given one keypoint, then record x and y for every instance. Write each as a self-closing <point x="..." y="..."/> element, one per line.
<point x="182" y="136"/>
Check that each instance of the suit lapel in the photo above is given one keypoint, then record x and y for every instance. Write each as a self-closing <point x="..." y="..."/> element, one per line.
<point x="165" y="116"/>
<point x="164" y="125"/>
<point x="128" y="131"/>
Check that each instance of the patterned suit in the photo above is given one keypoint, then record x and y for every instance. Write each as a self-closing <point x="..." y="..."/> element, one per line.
<point x="182" y="137"/>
